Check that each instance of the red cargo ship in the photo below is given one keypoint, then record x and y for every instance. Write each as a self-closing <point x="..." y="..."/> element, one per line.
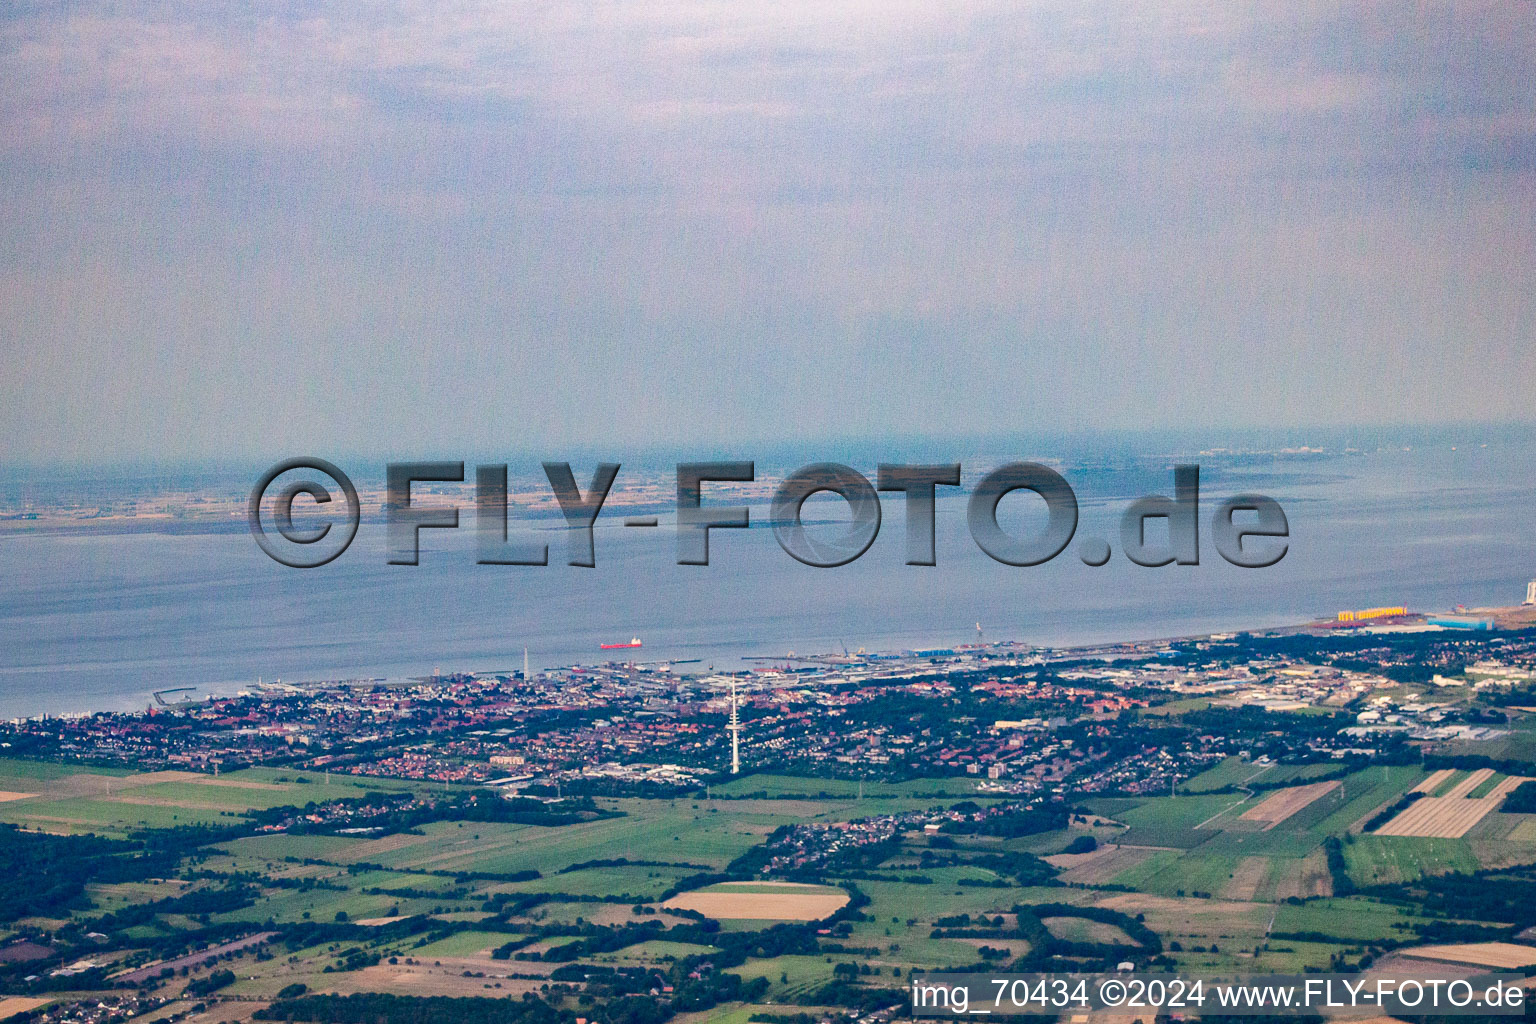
<point x="635" y="642"/>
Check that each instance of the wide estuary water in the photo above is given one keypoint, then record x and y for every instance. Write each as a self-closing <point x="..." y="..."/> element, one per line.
<point x="99" y="620"/>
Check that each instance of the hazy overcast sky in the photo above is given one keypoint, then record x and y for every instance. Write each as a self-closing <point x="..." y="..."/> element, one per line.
<point x="265" y="228"/>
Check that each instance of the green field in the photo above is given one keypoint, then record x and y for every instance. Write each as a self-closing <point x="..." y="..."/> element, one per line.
<point x="463" y="944"/>
<point x="1179" y="812"/>
<point x="654" y="952"/>
<point x="1351" y="919"/>
<point x="22" y="776"/>
<point x="1178" y="707"/>
<point x="1080" y="929"/>
<point x="1235" y="771"/>
<point x="1376" y="860"/>
<point x="116" y="803"/>
<point x="780" y="785"/>
<point x="1483" y="788"/>
<point x="277" y="847"/>
<point x="643" y="883"/>
<point x="789" y="976"/>
<point x="106" y="816"/>
<point x="1171" y="873"/>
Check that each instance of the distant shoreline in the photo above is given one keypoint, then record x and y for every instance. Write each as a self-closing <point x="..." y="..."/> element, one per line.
<point x="1506" y="617"/>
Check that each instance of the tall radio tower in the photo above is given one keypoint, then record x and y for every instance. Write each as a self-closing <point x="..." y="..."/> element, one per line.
<point x="734" y="727"/>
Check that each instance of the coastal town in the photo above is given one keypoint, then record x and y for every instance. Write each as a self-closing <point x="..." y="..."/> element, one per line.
<point x="1017" y="719"/>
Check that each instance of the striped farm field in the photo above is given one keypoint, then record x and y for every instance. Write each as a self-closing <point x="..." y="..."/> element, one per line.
<point x="1451" y="816"/>
<point x="1504" y="788"/>
<point x="1434" y="781"/>
<point x="1283" y="803"/>
<point x="789" y="903"/>
<point x="1465" y="787"/>
<point x="1503" y="955"/>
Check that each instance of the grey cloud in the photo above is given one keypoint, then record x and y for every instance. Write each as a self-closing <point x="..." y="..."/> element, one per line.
<point x="230" y="229"/>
